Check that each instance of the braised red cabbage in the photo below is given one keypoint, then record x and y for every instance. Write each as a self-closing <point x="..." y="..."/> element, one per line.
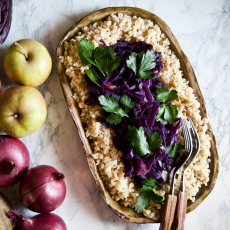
<point x="141" y="91"/>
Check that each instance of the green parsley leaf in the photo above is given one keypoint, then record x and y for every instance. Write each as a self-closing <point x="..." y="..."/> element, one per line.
<point x="148" y="192"/>
<point x="143" y="201"/>
<point x="138" y="140"/>
<point x="102" y="58"/>
<point x="121" y="112"/>
<point x="160" y="112"/>
<point x="173" y="150"/>
<point x="85" y="51"/>
<point x="141" y="63"/>
<point x="163" y="95"/>
<point x="151" y="182"/>
<point x="166" y="113"/>
<point x="114" y="119"/>
<point x="146" y="63"/>
<point x="126" y="103"/>
<point x="157" y="197"/>
<point x="154" y="140"/>
<point x="110" y="103"/>
<point x="94" y="77"/>
<point x="139" y="143"/>
<point x="99" y="52"/>
<point x="160" y="115"/>
<point x="107" y="62"/>
<point x="170" y="113"/>
<point x="145" y="188"/>
<point x="172" y="95"/>
<point x="132" y="62"/>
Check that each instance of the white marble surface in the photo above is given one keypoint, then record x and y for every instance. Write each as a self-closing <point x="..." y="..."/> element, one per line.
<point x="203" y="30"/>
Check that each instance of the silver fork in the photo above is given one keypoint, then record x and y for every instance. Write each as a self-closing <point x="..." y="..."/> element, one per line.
<point x="182" y="195"/>
<point x="171" y="200"/>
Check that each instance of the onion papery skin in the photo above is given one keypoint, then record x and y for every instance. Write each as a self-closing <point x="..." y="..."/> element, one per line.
<point x="14" y="160"/>
<point x="45" y="221"/>
<point x="42" y="189"/>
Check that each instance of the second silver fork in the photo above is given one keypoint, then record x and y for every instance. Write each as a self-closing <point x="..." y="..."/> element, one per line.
<point x="171" y="199"/>
<point x="180" y="214"/>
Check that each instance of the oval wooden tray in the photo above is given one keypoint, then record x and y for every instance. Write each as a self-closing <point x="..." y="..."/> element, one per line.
<point x="129" y="214"/>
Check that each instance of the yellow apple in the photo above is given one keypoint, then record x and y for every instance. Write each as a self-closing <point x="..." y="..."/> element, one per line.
<point x="27" y="62"/>
<point x="22" y="110"/>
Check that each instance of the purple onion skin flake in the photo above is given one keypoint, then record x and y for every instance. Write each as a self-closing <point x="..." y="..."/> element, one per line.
<point x="122" y="81"/>
<point x="6" y="8"/>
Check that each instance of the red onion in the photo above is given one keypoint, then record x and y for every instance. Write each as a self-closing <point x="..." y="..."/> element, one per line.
<point x="46" y="221"/>
<point x="42" y="189"/>
<point x="14" y="160"/>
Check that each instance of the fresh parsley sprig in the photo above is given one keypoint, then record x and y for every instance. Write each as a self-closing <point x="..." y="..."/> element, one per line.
<point x="148" y="192"/>
<point x="167" y="112"/>
<point x="141" y="63"/>
<point x="163" y="95"/>
<point x="120" y="108"/>
<point x="139" y="142"/>
<point x="173" y="150"/>
<point x="101" y="58"/>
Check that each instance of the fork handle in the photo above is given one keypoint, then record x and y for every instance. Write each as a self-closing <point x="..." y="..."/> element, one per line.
<point x="179" y="219"/>
<point x="166" y="215"/>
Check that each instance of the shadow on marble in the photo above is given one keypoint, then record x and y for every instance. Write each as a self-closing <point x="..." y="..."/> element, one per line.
<point x="11" y="193"/>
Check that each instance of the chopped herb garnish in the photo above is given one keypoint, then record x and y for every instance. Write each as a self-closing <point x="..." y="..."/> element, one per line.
<point x="141" y="63"/>
<point x="109" y="103"/>
<point x="139" y="142"/>
<point x="148" y="192"/>
<point x="106" y="61"/>
<point x="85" y="51"/>
<point x="163" y="95"/>
<point x="94" y="77"/>
<point x="167" y="112"/>
<point x="119" y="108"/>
<point x="126" y="103"/>
<point x="173" y="150"/>
<point x="101" y="58"/>
<point x="154" y="140"/>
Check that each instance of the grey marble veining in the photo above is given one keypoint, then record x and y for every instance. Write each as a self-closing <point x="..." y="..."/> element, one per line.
<point x="203" y="30"/>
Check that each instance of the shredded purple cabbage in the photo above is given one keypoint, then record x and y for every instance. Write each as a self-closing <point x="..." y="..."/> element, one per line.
<point x="141" y="91"/>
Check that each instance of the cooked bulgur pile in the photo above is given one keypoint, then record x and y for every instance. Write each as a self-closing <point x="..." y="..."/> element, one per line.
<point x="107" y="157"/>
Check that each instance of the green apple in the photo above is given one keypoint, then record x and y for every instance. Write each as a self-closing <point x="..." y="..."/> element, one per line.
<point x="27" y="62"/>
<point x="22" y="110"/>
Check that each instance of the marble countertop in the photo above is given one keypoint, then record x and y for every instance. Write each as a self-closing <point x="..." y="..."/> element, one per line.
<point x="202" y="28"/>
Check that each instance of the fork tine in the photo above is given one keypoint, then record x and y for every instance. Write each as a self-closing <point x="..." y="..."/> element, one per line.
<point x="187" y="136"/>
<point x="195" y="143"/>
<point x="195" y="135"/>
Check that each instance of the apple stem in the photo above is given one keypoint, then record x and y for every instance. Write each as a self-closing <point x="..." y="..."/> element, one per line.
<point x="22" y="50"/>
